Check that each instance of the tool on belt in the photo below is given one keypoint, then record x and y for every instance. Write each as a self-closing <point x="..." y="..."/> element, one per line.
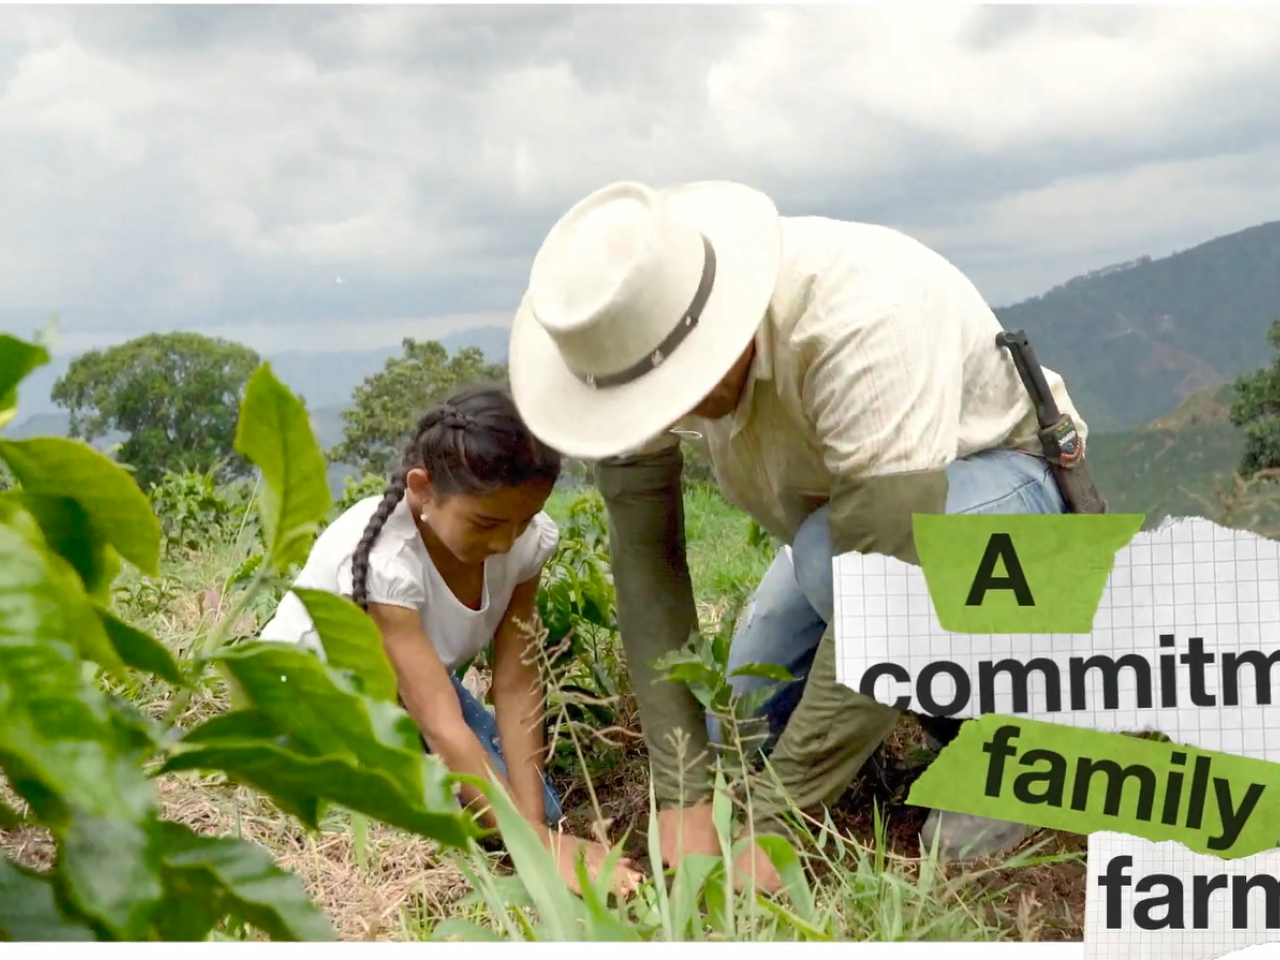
<point x="1058" y="437"/>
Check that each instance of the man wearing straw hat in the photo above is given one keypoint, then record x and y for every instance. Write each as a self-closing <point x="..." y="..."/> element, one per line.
<point x="843" y="377"/>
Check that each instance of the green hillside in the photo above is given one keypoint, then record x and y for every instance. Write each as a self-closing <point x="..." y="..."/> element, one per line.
<point x="1182" y="465"/>
<point x="1135" y="340"/>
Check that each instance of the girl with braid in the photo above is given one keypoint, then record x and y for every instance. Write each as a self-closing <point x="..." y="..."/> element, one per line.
<point x="447" y="563"/>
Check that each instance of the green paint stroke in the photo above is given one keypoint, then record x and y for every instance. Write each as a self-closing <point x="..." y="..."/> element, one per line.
<point x="1020" y="573"/>
<point x="1081" y="780"/>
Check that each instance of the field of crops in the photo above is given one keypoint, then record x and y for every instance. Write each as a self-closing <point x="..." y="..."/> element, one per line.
<point x="152" y="751"/>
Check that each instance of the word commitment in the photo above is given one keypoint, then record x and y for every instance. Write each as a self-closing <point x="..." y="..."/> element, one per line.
<point x="1164" y="680"/>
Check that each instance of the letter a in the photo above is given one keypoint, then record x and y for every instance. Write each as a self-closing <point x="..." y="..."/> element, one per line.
<point x="1000" y="547"/>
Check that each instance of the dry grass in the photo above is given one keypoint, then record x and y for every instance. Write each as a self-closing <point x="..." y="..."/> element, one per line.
<point x="402" y="878"/>
<point x="401" y="873"/>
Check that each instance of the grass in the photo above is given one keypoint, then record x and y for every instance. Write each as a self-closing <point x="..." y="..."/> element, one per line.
<point x="868" y="881"/>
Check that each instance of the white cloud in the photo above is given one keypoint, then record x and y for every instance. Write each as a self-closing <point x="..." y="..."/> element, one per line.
<point x="216" y="167"/>
<point x="1046" y="234"/>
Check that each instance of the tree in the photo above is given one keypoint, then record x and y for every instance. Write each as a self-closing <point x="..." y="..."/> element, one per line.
<point x="388" y="404"/>
<point x="1257" y="411"/>
<point x="174" y="397"/>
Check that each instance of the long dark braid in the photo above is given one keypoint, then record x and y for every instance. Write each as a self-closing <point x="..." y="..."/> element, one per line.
<point x="472" y="443"/>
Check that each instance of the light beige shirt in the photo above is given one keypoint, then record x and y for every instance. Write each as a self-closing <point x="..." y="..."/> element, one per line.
<point x="876" y="356"/>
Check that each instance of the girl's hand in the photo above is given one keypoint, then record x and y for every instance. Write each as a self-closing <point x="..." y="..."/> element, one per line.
<point x="626" y="876"/>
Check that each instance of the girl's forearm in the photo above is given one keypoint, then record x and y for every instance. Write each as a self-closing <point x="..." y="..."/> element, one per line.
<point x="518" y="705"/>
<point x="462" y="752"/>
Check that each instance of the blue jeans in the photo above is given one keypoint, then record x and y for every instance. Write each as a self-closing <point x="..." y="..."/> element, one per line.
<point x="485" y="726"/>
<point x="787" y="615"/>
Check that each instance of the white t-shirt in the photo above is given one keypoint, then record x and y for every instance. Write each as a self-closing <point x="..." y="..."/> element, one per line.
<point x="401" y="574"/>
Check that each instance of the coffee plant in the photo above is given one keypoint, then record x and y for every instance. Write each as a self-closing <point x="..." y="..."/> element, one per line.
<point x="194" y="509"/>
<point x="308" y="733"/>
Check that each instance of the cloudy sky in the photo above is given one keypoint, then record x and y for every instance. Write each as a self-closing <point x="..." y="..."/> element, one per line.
<point x="219" y="169"/>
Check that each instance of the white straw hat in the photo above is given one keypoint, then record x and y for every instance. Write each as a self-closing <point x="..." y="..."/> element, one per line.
<point x="639" y="302"/>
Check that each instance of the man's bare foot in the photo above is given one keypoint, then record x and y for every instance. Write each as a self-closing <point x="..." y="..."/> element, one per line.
<point x="683" y="830"/>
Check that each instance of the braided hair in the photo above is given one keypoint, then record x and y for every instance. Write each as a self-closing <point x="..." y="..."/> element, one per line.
<point x="474" y="443"/>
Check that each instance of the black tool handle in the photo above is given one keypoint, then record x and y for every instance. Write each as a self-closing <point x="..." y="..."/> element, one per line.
<point x="1058" y="438"/>
<point x="1024" y="358"/>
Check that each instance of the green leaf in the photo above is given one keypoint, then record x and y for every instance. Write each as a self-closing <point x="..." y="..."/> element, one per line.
<point x="351" y="641"/>
<point x="302" y="785"/>
<point x="79" y="620"/>
<point x="119" y="512"/>
<point x="795" y="884"/>
<point x="17" y="359"/>
<point x="140" y="650"/>
<point x="29" y="910"/>
<point x="69" y="533"/>
<point x="245" y="724"/>
<point x="691" y="876"/>
<point x="214" y="876"/>
<point x="655" y="857"/>
<point x="275" y="433"/>
<point x="765" y="671"/>
<point x="319" y="707"/>
<point x="60" y="747"/>
<point x="689" y="673"/>
<point x="137" y="735"/>
<point x="601" y="922"/>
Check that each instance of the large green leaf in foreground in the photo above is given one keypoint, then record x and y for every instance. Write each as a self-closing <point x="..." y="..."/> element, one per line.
<point x="207" y="878"/>
<point x="17" y="359"/>
<point x="60" y="749"/>
<point x="307" y="737"/>
<point x="29" y="910"/>
<point x="351" y="641"/>
<point x="117" y="509"/>
<point x="69" y="533"/>
<point x="275" y="434"/>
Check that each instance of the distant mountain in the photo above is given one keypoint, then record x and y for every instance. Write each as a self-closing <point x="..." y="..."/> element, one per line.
<point x="1135" y="340"/>
<point x="325" y="379"/>
<point x="1182" y="465"/>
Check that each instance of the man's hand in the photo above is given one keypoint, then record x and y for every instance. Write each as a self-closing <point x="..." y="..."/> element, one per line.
<point x="566" y="848"/>
<point x="753" y="866"/>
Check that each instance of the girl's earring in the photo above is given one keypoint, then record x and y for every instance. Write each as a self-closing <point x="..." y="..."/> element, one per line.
<point x="423" y="515"/>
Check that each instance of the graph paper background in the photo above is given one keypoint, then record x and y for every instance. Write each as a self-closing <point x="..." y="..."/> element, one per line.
<point x="1131" y="943"/>
<point x="1189" y="578"/>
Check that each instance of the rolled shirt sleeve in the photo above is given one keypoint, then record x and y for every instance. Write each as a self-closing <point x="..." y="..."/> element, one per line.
<point x="656" y="612"/>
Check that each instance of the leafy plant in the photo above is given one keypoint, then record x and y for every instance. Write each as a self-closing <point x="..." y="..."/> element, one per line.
<point x="577" y="595"/>
<point x="148" y="596"/>
<point x="579" y="615"/>
<point x="308" y="733"/>
<point x="1256" y="411"/>
<point x="355" y="489"/>
<point x="193" y="509"/>
<point x="702" y="666"/>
